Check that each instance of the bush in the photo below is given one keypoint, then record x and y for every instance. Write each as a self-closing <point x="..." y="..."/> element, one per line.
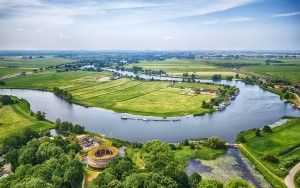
<point x="267" y="129"/>
<point x="2" y="83"/>
<point x="40" y="116"/>
<point x="194" y="179"/>
<point x="271" y="158"/>
<point x="210" y="184"/>
<point x="257" y="132"/>
<point x="215" y="143"/>
<point x="238" y="183"/>
<point x="6" y="100"/>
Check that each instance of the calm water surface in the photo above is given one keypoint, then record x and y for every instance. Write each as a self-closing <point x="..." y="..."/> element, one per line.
<point x="252" y="108"/>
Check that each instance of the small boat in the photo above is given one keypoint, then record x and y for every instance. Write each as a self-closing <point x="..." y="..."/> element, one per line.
<point x="124" y="117"/>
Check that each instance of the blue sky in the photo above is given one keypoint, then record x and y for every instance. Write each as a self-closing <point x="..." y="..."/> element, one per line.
<point x="150" y="24"/>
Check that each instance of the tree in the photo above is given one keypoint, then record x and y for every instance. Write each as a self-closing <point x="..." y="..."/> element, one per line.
<point x="121" y="168"/>
<point x="215" y="143"/>
<point x="2" y="83"/>
<point x="34" y="183"/>
<point x="48" y="150"/>
<point x="210" y="184"/>
<point x="102" y="180"/>
<point x="148" y="180"/>
<point x="267" y="129"/>
<point x="238" y="183"/>
<point x="77" y="129"/>
<point x="40" y="116"/>
<point x="6" y="100"/>
<point x="12" y="157"/>
<point x="74" y="173"/>
<point x="28" y="156"/>
<point x="257" y="132"/>
<point x="194" y="179"/>
<point x="57" y="123"/>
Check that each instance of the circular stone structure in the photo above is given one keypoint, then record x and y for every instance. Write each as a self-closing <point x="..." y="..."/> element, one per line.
<point x="100" y="156"/>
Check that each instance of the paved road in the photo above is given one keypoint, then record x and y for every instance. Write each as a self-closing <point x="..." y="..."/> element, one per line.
<point x="289" y="179"/>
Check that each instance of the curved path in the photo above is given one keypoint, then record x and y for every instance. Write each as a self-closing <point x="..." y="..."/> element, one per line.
<point x="289" y="179"/>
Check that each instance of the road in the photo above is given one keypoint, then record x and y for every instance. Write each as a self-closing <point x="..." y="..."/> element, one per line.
<point x="289" y="179"/>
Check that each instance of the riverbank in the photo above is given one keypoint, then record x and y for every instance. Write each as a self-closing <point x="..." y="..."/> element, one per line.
<point x="17" y="116"/>
<point x="274" y="152"/>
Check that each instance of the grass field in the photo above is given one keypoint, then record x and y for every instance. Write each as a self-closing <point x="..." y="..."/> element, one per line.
<point x="296" y="179"/>
<point x="275" y="143"/>
<point x="290" y="73"/>
<point x="152" y="98"/>
<point x="16" y="117"/>
<point x="16" y="64"/>
<point x="176" y="67"/>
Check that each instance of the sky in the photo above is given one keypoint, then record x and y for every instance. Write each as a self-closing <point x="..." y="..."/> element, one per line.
<point x="150" y="25"/>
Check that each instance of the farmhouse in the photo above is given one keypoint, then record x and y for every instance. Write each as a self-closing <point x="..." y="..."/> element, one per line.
<point x="88" y="142"/>
<point x="206" y="91"/>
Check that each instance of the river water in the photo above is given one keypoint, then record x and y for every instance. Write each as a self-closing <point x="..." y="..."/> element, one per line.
<point x="252" y="108"/>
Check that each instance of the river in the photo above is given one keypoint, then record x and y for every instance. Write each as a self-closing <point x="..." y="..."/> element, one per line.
<point x="252" y="108"/>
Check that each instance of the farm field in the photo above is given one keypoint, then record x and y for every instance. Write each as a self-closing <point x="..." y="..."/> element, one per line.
<point x="179" y="67"/>
<point x="151" y="98"/>
<point x="282" y="143"/>
<point x="290" y="73"/>
<point x="16" y="64"/>
<point x="15" y="118"/>
<point x="288" y="69"/>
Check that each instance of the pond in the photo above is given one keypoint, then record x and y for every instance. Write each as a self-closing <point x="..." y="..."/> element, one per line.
<point x="252" y="108"/>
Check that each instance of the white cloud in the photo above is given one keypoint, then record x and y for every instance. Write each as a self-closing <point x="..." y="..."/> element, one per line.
<point x="286" y="14"/>
<point x="168" y="37"/>
<point x="237" y="19"/>
<point x="20" y="29"/>
<point x="110" y="13"/>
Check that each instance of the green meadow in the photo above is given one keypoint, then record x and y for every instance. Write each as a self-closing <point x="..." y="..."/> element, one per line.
<point x="16" y="64"/>
<point x="175" y="67"/>
<point x="151" y="98"/>
<point x="290" y="73"/>
<point x="16" y="117"/>
<point x="282" y="143"/>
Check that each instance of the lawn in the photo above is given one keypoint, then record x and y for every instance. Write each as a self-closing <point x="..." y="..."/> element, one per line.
<point x="176" y="67"/>
<point x="16" y="117"/>
<point x="151" y="98"/>
<point x="275" y="143"/>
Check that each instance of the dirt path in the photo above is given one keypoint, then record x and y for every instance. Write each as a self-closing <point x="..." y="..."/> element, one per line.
<point x="289" y="179"/>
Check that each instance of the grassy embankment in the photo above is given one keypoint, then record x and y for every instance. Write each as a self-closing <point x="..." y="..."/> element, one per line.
<point x="16" y="117"/>
<point x="152" y="98"/>
<point x="296" y="182"/>
<point x="175" y="67"/>
<point x="281" y="143"/>
<point x="16" y="64"/>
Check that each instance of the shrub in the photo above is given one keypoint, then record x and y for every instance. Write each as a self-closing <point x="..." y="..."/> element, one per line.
<point x="215" y="143"/>
<point x="194" y="179"/>
<point x="238" y="183"/>
<point x="257" y="132"/>
<point x="210" y="184"/>
<point x="6" y="100"/>
<point x="271" y="158"/>
<point x="267" y="129"/>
